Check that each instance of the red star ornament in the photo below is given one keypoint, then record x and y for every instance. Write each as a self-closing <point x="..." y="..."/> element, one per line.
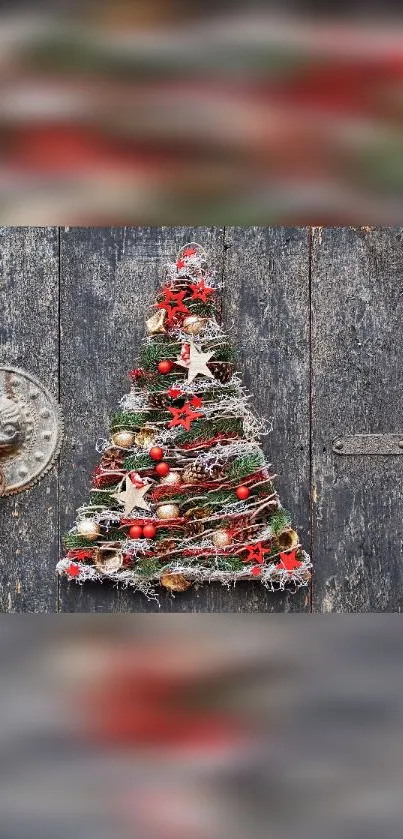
<point x="256" y="553"/>
<point x="174" y="392"/>
<point x="256" y="571"/>
<point x="73" y="570"/>
<point x="201" y="291"/>
<point x="196" y="402"/>
<point x="173" y="303"/>
<point x="183" y="416"/>
<point x="180" y="263"/>
<point x="289" y="562"/>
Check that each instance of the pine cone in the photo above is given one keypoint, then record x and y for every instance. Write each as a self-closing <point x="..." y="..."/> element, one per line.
<point x="194" y="473"/>
<point x="222" y="370"/>
<point x="158" y="400"/>
<point x="112" y="459"/>
<point x="195" y="516"/>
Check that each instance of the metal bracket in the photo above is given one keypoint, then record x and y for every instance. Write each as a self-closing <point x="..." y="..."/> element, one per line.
<point x="364" y="444"/>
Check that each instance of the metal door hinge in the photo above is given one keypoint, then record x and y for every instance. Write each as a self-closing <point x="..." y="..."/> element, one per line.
<point x="365" y="444"/>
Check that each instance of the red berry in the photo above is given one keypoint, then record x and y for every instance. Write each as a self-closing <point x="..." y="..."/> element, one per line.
<point x="149" y="531"/>
<point x="136" y="531"/>
<point x="243" y="493"/>
<point x="156" y="453"/>
<point x="162" y="469"/>
<point x="165" y="366"/>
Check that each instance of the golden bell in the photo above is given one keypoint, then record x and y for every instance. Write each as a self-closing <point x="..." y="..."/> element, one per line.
<point x="175" y="582"/>
<point x="172" y="479"/>
<point x="89" y="529"/>
<point x="221" y="539"/>
<point x="108" y="560"/>
<point x="168" y="511"/>
<point x="146" y="436"/>
<point x="288" y="539"/>
<point x="194" y="325"/>
<point x="124" y="439"/>
<point x="155" y="323"/>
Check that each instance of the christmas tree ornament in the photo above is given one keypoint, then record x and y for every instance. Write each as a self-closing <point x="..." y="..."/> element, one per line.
<point x="197" y="363"/>
<point x="155" y="324"/>
<point x="88" y="529"/>
<point x="194" y="325"/>
<point x="242" y="493"/>
<point x="162" y="469"/>
<point x="136" y="531"/>
<point x="132" y="497"/>
<point x="146" y="436"/>
<point x="165" y="367"/>
<point x="168" y="511"/>
<point x="124" y="439"/>
<point x="112" y="459"/>
<point x="221" y="539"/>
<point x="289" y="561"/>
<point x="288" y="539"/>
<point x="201" y="292"/>
<point x="183" y="416"/>
<point x="175" y="582"/>
<point x="149" y="531"/>
<point x="108" y="560"/>
<point x="173" y="304"/>
<point x="173" y="478"/>
<point x="165" y="506"/>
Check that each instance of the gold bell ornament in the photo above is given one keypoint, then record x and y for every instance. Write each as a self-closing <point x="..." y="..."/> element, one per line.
<point x="146" y="436"/>
<point x="168" y="511"/>
<point x="194" y="325"/>
<point x="175" y="582"/>
<point x="172" y="479"/>
<point x="89" y="529"/>
<point x="108" y="560"/>
<point x="221" y="539"/>
<point x="124" y="439"/>
<point x="155" y="323"/>
<point x="288" y="539"/>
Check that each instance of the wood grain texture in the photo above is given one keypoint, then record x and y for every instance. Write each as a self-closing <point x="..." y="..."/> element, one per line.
<point x="29" y="338"/>
<point x="266" y="310"/>
<point x="108" y="278"/>
<point x="357" y="346"/>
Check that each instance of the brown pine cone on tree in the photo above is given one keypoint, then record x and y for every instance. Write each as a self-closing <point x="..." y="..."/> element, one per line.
<point x="222" y="370"/>
<point x="112" y="459"/>
<point x="198" y="472"/>
<point x="158" y="400"/>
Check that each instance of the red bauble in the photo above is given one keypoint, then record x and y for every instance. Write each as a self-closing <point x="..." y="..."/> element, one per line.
<point x="242" y="493"/>
<point x="156" y="453"/>
<point x="162" y="469"/>
<point x="136" y="531"/>
<point x="149" y="531"/>
<point x="165" y="366"/>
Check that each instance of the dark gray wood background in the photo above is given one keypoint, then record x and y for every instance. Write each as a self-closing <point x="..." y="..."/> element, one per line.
<point x="316" y="314"/>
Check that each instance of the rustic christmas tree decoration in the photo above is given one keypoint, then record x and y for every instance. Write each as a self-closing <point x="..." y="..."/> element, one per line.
<point x="108" y="560"/>
<point x="172" y="479"/>
<point x="175" y="582"/>
<point x="146" y="436"/>
<point x="221" y="539"/>
<point x="132" y="497"/>
<point x="168" y="511"/>
<point x="89" y="529"/>
<point x="184" y="454"/>
<point x="194" y="325"/>
<point x="155" y="324"/>
<point x="124" y="439"/>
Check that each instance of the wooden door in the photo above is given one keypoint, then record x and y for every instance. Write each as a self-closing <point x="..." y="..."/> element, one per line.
<point x="316" y="317"/>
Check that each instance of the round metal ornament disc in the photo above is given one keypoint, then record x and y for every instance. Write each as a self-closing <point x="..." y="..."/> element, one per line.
<point x="30" y="430"/>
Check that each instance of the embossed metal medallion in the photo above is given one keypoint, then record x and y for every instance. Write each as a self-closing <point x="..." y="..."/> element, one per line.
<point x="30" y="430"/>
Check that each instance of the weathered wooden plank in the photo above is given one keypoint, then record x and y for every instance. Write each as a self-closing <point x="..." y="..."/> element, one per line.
<point x="108" y="277"/>
<point x="356" y="388"/>
<point x="29" y="338"/>
<point x="266" y="309"/>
